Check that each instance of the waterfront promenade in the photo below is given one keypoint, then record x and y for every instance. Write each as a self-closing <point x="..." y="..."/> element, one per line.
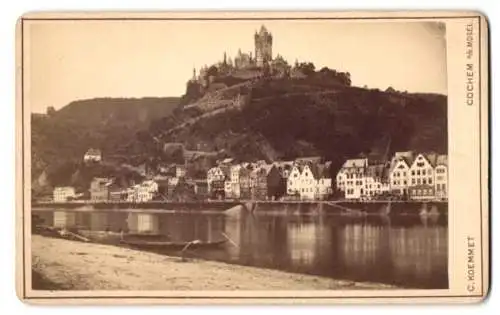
<point x="288" y="206"/>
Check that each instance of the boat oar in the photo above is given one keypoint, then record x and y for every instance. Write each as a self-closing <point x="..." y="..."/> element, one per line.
<point x="230" y="240"/>
<point x="187" y="246"/>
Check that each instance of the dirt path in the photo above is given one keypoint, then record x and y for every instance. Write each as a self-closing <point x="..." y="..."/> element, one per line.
<point x="68" y="265"/>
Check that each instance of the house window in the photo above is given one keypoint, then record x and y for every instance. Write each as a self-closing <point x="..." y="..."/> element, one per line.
<point x="420" y="164"/>
<point x="413" y="181"/>
<point x="443" y="186"/>
<point x="418" y="181"/>
<point x="429" y="171"/>
<point x="412" y="172"/>
<point x="424" y="181"/>
<point x="418" y="172"/>
<point x="404" y="174"/>
<point x="430" y="181"/>
<point x="423" y="172"/>
<point x="404" y="182"/>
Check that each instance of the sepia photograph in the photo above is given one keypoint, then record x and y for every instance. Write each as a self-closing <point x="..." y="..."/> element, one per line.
<point x="239" y="154"/>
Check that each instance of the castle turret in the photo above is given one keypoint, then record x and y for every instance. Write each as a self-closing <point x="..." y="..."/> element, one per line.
<point x="263" y="46"/>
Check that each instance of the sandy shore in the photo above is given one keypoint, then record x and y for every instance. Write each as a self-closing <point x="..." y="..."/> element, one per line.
<point x="67" y="265"/>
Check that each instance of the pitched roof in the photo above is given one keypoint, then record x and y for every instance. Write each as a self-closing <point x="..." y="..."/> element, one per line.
<point x="431" y="157"/>
<point x="267" y="168"/>
<point x="406" y="156"/>
<point x="376" y="171"/>
<point x="227" y="160"/>
<point x="442" y="159"/>
<point x="355" y="163"/>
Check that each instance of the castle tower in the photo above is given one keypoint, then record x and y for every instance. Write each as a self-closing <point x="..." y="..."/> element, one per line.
<point x="263" y="46"/>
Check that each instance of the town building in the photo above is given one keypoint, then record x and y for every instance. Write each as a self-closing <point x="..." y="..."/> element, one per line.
<point x="324" y="185"/>
<point x="399" y="172"/>
<point x="232" y="186"/>
<point x="216" y="178"/>
<point x="293" y="183"/>
<point x="263" y="46"/>
<point x="441" y="177"/>
<point x="63" y="194"/>
<point x="307" y="182"/>
<point x="375" y="182"/>
<point x="244" y="180"/>
<point x="99" y="189"/>
<point x="258" y="184"/>
<point x="146" y="191"/>
<point x="350" y="178"/>
<point x="422" y="183"/>
<point x="92" y="155"/>
<point x="117" y="194"/>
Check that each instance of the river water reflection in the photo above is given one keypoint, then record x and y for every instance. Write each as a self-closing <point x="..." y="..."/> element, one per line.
<point x="408" y="251"/>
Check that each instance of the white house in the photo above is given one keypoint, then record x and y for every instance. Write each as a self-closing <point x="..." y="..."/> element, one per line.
<point x="399" y="172"/>
<point x="146" y="191"/>
<point x="441" y="177"/>
<point x="62" y="194"/>
<point x="215" y="174"/>
<point x="307" y="183"/>
<point x="92" y="155"/>
<point x="422" y="170"/>
<point x="422" y="184"/>
<point x="293" y="181"/>
<point x="351" y="178"/>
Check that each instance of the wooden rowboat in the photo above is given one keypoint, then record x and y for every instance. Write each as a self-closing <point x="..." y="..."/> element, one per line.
<point x="147" y="244"/>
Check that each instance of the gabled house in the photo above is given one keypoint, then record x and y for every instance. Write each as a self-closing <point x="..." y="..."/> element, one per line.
<point x="308" y="181"/>
<point x="399" y="172"/>
<point x="422" y="169"/>
<point x="293" y="181"/>
<point x="215" y="182"/>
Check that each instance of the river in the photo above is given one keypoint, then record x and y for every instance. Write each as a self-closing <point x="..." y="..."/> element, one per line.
<point x="407" y="251"/>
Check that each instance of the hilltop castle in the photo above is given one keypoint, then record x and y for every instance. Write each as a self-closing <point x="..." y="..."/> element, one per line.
<point x="246" y="65"/>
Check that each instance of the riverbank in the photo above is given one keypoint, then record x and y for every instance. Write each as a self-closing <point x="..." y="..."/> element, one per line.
<point x="67" y="265"/>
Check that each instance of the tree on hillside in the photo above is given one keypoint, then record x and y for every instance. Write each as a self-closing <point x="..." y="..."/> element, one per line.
<point x="213" y="71"/>
<point x="307" y="68"/>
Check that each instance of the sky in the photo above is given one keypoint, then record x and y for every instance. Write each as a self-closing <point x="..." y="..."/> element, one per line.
<point x="71" y="60"/>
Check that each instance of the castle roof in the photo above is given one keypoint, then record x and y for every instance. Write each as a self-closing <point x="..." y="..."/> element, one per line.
<point x="263" y="30"/>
